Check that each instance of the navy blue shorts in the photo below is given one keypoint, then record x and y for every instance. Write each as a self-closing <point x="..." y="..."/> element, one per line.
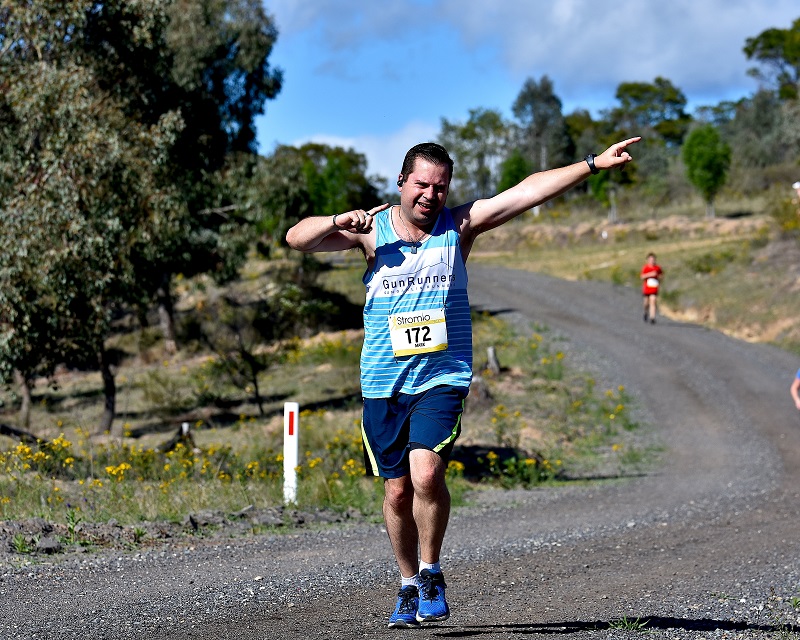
<point x="391" y="427"/>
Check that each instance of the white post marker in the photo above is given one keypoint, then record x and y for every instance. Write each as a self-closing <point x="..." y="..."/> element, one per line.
<point x="291" y="416"/>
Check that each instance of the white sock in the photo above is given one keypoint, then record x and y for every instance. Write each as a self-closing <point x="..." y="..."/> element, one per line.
<point x="433" y="568"/>
<point x="413" y="581"/>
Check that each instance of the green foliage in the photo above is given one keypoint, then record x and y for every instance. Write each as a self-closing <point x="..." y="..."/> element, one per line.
<point x="165" y="393"/>
<point x="707" y="158"/>
<point x="476" y="147"/>
<point x="544" y="135"/>
<point x="516" y="472"/>
<point x="506" y="426"/>
<point x="628" y="624"/>
<point x="658" y="106"/>
<point x="21" y="544"/>
<point x="513" y="170"/>
<point x="785" y="210"/>
<point x="711" y="263"/>
<point x="235" y="333"/>
<point x="315" y="179"/>
<point x="80" y="192"/>
<point x="131" y="483"/>
<point x="220" y="52"/>
<point x="118" y="129"/>
<point x="778" y="51"/>
<point x="73" y="520"/>
<point x="757" y="129"/>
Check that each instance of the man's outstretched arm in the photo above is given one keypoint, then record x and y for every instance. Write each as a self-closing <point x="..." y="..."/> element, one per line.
<point x="482" y="215"/>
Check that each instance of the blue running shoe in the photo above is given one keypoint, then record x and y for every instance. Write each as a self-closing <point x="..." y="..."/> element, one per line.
<point x="432" y="605"/>
<point x="405" y="613"/>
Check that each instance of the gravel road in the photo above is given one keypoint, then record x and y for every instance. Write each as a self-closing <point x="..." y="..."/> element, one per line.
<point x="707" y="546"/>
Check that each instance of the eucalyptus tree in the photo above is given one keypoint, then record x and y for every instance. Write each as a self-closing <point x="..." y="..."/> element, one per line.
<point x="120" y="122"/>
<point x="211" y="66"/>
<point x="313" y="179"/>
<point x="644" y="107"/>
<point x="477" y="146"/>
<point x="81" y="188"/>
<point x="544" y="135"/>
<point x="757" y="132"/>
<point x="778" y="53"/>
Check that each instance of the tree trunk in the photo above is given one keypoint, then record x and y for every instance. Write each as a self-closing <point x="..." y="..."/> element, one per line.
<point x="254" y="368"/>
<point x="22" y="436"/>
<point x="612" y="210"/>
<point x="110" y="395"/>
<point x="710" y="212"/>
<point x="493" y="364"/>
<point x="25" y="393"/>
<point x="166" y="314"/>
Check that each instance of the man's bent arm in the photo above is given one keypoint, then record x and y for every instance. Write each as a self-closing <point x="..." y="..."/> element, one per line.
<point x="317" y="233"/>
<point x="337" y="233"/>
<point x="482" y="215"/>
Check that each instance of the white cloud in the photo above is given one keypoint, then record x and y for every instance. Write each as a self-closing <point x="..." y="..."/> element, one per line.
<point x="585" y="45"/>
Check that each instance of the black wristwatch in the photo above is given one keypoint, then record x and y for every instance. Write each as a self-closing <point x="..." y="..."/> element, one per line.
<point x="590" y="161"/>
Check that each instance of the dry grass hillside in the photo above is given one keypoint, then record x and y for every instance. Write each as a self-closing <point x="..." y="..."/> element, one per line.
<point x="735" y="273"/>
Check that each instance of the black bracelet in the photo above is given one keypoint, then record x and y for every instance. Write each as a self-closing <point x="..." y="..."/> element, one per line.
<point x="590" y="161"/>
<point x="333" y="220"/>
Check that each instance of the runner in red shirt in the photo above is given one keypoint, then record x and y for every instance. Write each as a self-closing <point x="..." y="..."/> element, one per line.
<point x="651" y="275"/>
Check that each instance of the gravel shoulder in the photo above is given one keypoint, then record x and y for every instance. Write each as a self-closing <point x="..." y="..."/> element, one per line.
<point x="706" y="546"/>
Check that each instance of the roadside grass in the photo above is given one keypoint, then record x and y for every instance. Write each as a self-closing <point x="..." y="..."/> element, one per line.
<point x="542" y="421"/>
<point x="628" y="624"/>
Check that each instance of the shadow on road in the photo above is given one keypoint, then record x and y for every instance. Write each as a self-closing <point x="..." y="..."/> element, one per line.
<point x="577" y="626"/>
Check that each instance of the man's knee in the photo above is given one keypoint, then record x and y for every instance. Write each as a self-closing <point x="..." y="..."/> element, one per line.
<point x="398" y="492"/>
<point x="427" y="472"/>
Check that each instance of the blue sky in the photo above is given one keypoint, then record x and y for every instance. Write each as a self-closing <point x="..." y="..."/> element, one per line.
<point x="380" y="76"/>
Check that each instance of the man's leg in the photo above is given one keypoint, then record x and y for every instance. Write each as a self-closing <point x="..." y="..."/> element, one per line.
<point x="398" y="514"/>
<point x="653" y="308"/>
<point x="416" y="510"/>
<point x="431" y="502"/>
<point x="431" y="513"/>
<point x="645" y="306"/>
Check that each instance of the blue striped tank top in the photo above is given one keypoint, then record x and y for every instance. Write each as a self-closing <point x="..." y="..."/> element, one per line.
<point x="404" y="279"/>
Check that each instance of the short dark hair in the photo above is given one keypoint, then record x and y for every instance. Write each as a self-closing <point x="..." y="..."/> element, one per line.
<point x="430" y="151"/>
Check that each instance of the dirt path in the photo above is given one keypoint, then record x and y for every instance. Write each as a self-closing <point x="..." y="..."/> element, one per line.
<point x="707" y="547"/>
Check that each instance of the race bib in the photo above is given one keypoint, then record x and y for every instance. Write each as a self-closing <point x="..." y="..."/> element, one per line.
<point x="652" y="283"/>
<point x="417" y="332"/>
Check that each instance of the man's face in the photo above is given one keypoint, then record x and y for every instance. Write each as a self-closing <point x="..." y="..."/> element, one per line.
<point x="424" y="192"/>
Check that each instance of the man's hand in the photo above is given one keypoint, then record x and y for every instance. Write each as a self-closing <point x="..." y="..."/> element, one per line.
<point x="357" y="221"/>
<point x="616" y="155"/>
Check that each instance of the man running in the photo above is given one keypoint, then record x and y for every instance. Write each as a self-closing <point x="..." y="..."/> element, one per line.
<point x="416" y="362"/>
<point x="650" y="275"/>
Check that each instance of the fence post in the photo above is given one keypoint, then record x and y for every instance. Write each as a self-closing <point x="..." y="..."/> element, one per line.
<point x="291" y="428"/>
